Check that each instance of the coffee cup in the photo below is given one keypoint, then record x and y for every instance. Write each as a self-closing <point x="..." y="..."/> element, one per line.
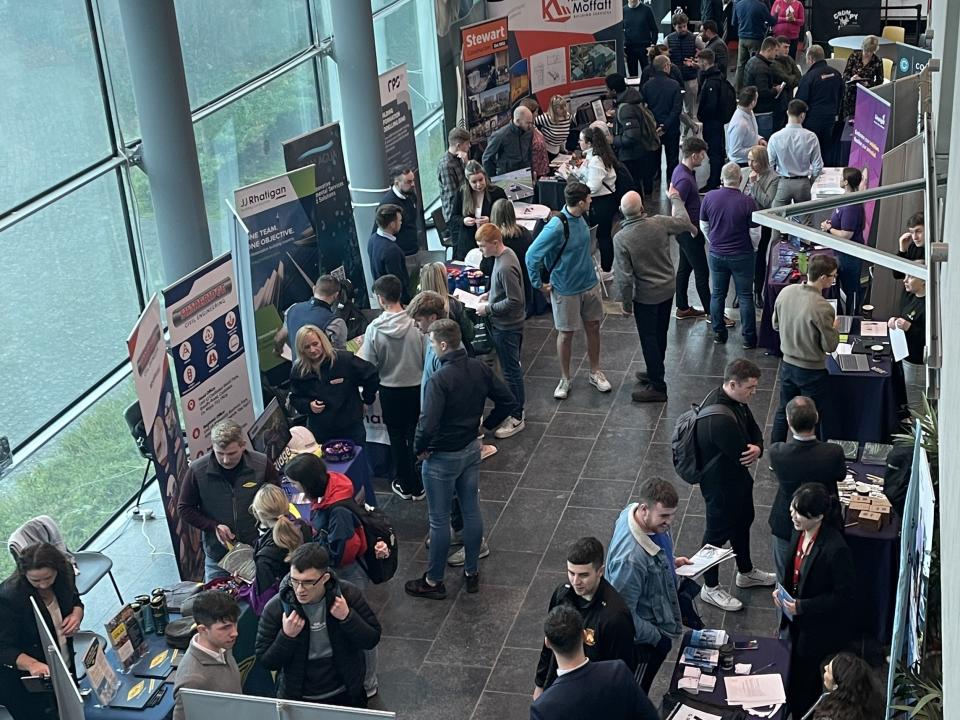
<point x="867" y="311"/>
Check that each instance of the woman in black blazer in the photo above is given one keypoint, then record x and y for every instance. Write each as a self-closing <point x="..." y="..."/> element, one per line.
<point x="477" y="195"/>
<point x="44" y="574"/>
<point x="819" y="576"/>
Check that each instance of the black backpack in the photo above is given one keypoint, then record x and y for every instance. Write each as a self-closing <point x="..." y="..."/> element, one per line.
<point x="376" y="526"/>
<point x="727" y="101"/>
<point x="349" y="312"/>
<point x="683" y="443"/>
<point x="641" y="129"/>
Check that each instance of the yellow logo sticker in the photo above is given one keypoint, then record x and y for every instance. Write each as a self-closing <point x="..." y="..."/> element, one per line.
<point x="135" y="691"/>
<point x="158" y="659"/>
<point x="249" y="484"/>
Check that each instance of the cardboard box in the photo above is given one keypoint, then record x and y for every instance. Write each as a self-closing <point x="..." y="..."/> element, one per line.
<point x="869" y="520"/>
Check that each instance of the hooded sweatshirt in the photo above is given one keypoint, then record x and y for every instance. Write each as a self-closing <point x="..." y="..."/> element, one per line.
<point x="395" y="346"/>
<point x="337" y="527"/>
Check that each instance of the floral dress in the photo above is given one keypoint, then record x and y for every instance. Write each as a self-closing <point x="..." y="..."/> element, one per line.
<point x="870" y="74"/>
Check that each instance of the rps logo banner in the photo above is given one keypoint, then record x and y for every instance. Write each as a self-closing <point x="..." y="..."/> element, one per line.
<point x="483" y="39"/>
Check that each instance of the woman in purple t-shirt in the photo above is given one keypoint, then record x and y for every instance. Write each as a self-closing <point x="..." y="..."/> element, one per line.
<point x="847" y="222"/>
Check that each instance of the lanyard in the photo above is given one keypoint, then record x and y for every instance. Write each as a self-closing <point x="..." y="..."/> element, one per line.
<point x="800" y="556"/>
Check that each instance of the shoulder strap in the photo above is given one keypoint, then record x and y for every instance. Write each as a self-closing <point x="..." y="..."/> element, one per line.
<point x="566" y="238"/>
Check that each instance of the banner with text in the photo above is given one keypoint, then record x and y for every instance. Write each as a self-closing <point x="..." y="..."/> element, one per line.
<point x="486" y="73"/>
<point x="206" y="339"/>
<point x="332" y="209"/>
<point x="164" y="437"/>
<point x="868" y="143"/>
<point x="834" y="18"/>
<point x="399" y="140"/>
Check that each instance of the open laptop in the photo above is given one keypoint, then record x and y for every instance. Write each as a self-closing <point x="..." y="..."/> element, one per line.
<point x="853" y="363"/>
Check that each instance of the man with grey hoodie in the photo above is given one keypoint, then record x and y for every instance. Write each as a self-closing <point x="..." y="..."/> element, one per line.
<point x="394" y="344"/>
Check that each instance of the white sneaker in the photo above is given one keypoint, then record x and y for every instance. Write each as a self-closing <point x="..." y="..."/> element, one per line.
<point x="459" y="556"/>
<point x="606" y="276"/>
<point x="600" y="382"/>
<point x="756" y="578"/>
<point x="510" y="427"/>
<point x="720" y="598"/>
<point x="563" y="388"/>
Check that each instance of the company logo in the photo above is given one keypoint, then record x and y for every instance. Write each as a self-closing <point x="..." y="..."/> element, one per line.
<point x="556" y="11"/>
<point x="560" y="11"/>
<point x="880" y="120"/>
<point x="270" y="194"/>
<point x="488" y="37"/>
<point x="846" y="17"/>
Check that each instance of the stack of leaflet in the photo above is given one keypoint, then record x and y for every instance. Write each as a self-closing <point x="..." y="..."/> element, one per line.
<point x="709" y="638"/>
<point x="703" y="658"/>
<point x="755" y="691"/>
<point x="705" y="558"/>
<point x="694" y="681"/>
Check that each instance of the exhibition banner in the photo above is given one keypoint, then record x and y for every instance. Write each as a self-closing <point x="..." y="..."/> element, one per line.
<point x="332" y="208"/>
<point x="164" y="437"/>
<point x="206" y="339"/>
<point x="910" y="60"/>
<point x="278" y="263"/>
<point x="834" y="18"/>
<point x="486" y="73"/>
<point x="868" y="143"/>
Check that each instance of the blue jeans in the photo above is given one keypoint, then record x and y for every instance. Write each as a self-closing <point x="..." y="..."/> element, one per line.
<point x="848" y="277"/>
<point x="508" y="344"/>
<point x="781" y="550"/>
<point x="446" y="474"/>
<point x="211" y="570"/>
<point x="740" y="268"/>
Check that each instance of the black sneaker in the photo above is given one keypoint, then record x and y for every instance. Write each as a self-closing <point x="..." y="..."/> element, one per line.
<point x="642" y="376"/>
<point x="749" y="346"/>
<point x="648" y="393"/>
<point x="421" y="588"/>
<point x="397" y="490"/>
<point x="472" y="582"/>
<point x="719" y="339"/>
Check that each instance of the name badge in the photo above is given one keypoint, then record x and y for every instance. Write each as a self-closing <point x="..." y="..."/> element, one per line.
<point x="249" y="485"/>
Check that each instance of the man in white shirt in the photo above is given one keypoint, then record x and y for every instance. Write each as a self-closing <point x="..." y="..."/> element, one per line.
<point x="742" y="132"/>
<point x="795" y="156"/>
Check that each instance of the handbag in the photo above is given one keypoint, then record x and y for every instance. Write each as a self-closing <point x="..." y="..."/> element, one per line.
<point x="482" y="337"/>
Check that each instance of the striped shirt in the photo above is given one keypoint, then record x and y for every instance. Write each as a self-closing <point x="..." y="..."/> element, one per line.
<point x="554" y="132"/>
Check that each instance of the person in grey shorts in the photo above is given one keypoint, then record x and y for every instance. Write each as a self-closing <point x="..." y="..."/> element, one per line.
<point x="562" y="249"/>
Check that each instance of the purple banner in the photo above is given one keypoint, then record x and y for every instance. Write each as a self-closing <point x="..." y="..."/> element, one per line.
<point x="869" y="141"/>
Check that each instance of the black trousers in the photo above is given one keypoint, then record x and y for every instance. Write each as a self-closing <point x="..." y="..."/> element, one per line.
<point x="649" y="660"/>
<point x="653" y="322"/>
<point x="729" y="511"/>
<point x="637" y="60"/>
<point x="602" y="210"/>
<point x="638" y="170"/>
<point x="716" y="151"/>
<point x="401" y="411"/>
<point x="826" y="134"/>
<point x="648" y="171"/>
<point x="693" y="259"/>
<point x="760" y="261"/>
<point x="795" y="381"/>
<point x="671" y="149"/>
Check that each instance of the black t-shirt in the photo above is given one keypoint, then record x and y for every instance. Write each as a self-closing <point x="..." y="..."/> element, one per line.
<point x="914" y="308"/>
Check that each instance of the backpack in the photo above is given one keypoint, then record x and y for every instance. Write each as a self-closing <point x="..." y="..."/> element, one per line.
<point x="349" y="312"/>
<point x="641" y="129"/>
<point x="683" y="442"/>
<point x="376" y="526"/>
<point x="727" y="100"/>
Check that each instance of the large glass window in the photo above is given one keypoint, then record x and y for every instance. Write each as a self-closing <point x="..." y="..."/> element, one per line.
<point x="431" y="144"/>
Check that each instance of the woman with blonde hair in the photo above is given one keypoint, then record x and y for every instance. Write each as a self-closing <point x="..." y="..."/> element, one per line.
<point x="864" y="67"/>
<point x="471" y="208"/>
<point x="433" y="277"/>
<point x="555" y="125"/>
<point x="330" y="387"/>
<point x="279" y="536"/>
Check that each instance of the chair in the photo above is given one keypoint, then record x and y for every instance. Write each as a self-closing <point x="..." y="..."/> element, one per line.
<point x="440" y="223"/>
<point x="894" y="33"/>
<point x="837" y="64"/>
<point x="887" y="69"/>
<point x="134" y="420"/>
<point x="841" y="53"/>
<point x="89" y="566"/>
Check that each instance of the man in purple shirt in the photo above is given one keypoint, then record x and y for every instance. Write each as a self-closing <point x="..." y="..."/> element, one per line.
<point x="693" y="258"/>
<point x="848" y="222"/>
<point x="725" y="219"/>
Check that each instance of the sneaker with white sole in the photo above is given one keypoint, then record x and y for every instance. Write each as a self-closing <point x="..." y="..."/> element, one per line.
<point x="600" y="382"/>
<point x="563" y="389"/>
<point x="510" y="427"/>
<point x="756" y="578"/>
<point x="459" y="556"/>
<point x="718" y="597"/>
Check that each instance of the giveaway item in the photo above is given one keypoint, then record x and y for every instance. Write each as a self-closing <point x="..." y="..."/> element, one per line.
<point x="179" y="632"/>
<point x="339" y="451"/>
<point x="158" y="606"/>
<point x="239" y="562"/>
<point x="177" y="595"/>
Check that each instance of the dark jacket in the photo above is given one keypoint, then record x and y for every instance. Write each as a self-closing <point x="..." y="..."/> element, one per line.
<point x="640" y="28"/>
<point x="338" y="387"/>
<point x="359" y="631"/>
<point x="786" y="70"/>
<point x="211" y="496"/>
<point x="463" y="236"/>
<point x="387" y="258"/>
<point x="751" y="18"/>
<point x="708" y="102"/>
<point x="721" y="56"/>
<point x="663" y="98"/>
<point x="821" y="88"/>
<point x="825" y="595"/>
<point x="628" y="114"/>
<point x="759" y="72"/>
<point x="681" y="48"/>
<point x="18" y="627"/>
<point x="605" y="689"/>
<point x="269" y="558"/>
<point x="646" y="75"/>
<point x="795" y="463"/>
<point x="508" y="149"/>
<point x="309" y="312"/>
<point x="608" y="629"/>
<point x="453" y="403"/>
<point x="408" y="236"/>
<point x="338" y="528"/>
<point x="712" y="10"/>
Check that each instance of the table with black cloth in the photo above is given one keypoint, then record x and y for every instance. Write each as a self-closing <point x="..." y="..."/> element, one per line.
<point x="550" y="192"/>
<point x="356" y="468"/>
<point x="770" y="651"/>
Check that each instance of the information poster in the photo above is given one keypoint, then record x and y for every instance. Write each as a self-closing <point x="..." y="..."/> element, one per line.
<point x="868" y="143"/>
<point x="833" y="18"/>
<point x="164" y="436"/>
<point x="332" y="209"/>
<point x="206" y="340"/>
<point x="486" y="72"/>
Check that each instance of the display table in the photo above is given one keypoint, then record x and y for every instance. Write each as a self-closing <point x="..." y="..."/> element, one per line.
<point x="769" y="651"/>
<point x="854" y="42"/>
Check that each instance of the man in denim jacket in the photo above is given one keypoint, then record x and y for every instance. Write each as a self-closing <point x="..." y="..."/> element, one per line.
<point x="641" y="566"/>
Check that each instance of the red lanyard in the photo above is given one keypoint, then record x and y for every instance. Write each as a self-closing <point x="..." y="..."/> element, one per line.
<point x="800" y="556"/>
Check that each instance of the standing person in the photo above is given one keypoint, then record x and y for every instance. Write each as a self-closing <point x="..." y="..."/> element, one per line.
<point x="403" y="194"/>
<point x="725" y="220"/>
<point x="562" y="249"/>
<point x="649" y="71"/>
<point x="821" y="87"/>
<point x="683" y="54"/>
<point x="505" y="307"/>
<point x="447" y="443"/>
<point x="44" y="574"/>
<point x="711" y="11"/>
<point x="586" y="689"/>
<point x="785" y="66"/>
<point x="751" y="18"/>
<point x="729" y="443"/>
<point x="555" y="125"/>
<point x="642" y="568"/>
<point x="742" y="133"/>
<point x="710" y="114"/>
<point x="517" y="238"/>
<point x="433" y="277"/>
<point x="808" y="332"/>
<point x="330" y="387"/>
<point x="471" y="208"/>
<point x="759" y="72"/>
<point x="599" y="173"/>
<point x="848" y="222"/>
<point x="795" y="462"/>
<point x="217" y="491"/>
<point x="693" y="258"/>
<point x="606" y="619"/>
<point x="795" y="155"/>
<point x="820" y="577"/>
<point x="450" y="169"/>
<point x="314" y="633"/>
<point x="789" y="23"/>
<point x="640" y="31"/>
<point x="911" y="318"/>
<point x="320" y="310"/>
<point x="911" y="244"/>
<point x="851" y="690"/>
<point x="712" y="41"/>
<point x="645" y="276"/>
<point x="394" y="346"/>
<point x="663" y="98"/>
<point x="539" y="155"/>
<point x="626" y="141"/>
<point x="386" y="256"/>
<point x="208" y="662"/>
<point x="762" y="184"/>
<point x="864" y="67"/>
<point x="510" y="148"/>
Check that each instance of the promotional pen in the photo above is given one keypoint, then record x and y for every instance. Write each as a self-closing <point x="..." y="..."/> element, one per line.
<point x="754" y="672"/>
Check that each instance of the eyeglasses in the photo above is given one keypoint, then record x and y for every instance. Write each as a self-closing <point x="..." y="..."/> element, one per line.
<point x="305" y="583"/>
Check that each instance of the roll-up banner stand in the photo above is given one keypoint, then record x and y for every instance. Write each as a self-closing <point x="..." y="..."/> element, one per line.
<point x="207" y="341"/>
<point x="868" y="144"/>
<point x="486" y="72"/>
<point x="151" y="380"/>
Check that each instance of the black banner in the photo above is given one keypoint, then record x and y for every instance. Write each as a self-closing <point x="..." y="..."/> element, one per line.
<point x="833" y="18"/>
